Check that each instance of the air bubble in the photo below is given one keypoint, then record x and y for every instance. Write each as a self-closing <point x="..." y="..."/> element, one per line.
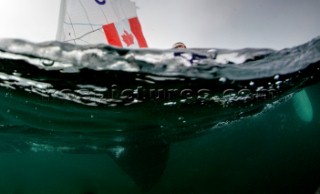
<point x="259" y="88"/>
<point x="47" y="63"/>
<point x="223" y="79"/>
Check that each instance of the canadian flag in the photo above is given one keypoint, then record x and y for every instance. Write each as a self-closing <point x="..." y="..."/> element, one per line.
<point x="125" y="33"/>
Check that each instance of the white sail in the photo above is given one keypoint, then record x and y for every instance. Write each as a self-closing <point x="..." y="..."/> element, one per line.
<point x="113" y="22"/>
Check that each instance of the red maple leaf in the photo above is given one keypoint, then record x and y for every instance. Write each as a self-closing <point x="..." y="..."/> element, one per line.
<point x="127" y="38"/>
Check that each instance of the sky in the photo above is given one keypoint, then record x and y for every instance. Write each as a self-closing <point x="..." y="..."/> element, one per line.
<point x="228" y="24"/>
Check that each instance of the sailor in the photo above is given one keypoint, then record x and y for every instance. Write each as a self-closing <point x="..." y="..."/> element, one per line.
<point x="179" y="45"/>
<point x="193" y="58"/>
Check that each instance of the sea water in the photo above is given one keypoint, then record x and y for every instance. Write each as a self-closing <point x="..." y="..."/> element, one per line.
<point x="97" y="119"/>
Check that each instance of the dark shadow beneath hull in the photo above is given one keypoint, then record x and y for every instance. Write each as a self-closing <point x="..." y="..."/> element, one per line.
<point x="144" y="163"/>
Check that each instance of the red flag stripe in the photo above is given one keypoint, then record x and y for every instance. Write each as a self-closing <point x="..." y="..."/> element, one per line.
<point x="112" y="35"/>
<point x="137" y="31"/>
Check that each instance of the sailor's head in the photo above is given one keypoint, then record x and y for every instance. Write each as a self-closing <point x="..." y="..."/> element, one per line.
<point x="179" y="45"/>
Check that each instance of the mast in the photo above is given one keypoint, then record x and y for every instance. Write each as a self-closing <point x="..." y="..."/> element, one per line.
<point x="59" y="35"/>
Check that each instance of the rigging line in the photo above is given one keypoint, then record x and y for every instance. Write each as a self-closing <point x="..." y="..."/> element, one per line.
<point x="122" y="9"/>
<point x="82" y="36"/>
<point x="84" y="41"/>
<point x="119" y="8"/>
<point x="116" y="11"/>
<point x="100" y="7"/>
<point x="86" y="13"/>
<point x="83" y="24"/>
<point x="67" y="41"/>
<point x="102" y="31"/>
<point x="74" y="31"/>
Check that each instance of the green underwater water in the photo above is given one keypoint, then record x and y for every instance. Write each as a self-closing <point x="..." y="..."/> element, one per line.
<point x="274" y="152"/>
<point x="63" y="131"/>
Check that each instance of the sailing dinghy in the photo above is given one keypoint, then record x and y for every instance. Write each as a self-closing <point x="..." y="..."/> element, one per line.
<point x="113" y="22"/>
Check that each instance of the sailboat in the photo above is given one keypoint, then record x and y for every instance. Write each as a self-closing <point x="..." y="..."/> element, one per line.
<point x="115" y="22"/>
